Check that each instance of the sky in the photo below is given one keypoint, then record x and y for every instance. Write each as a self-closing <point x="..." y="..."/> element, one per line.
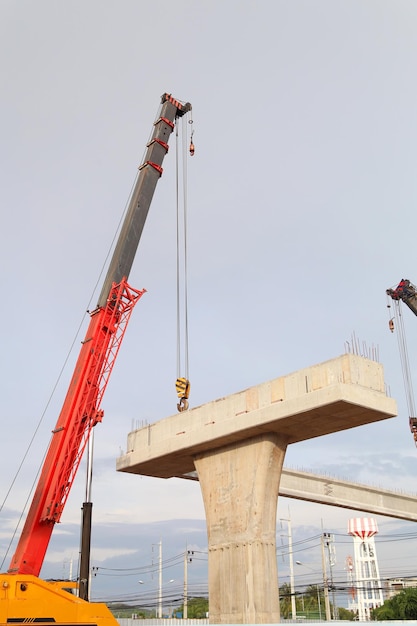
<point x="301" y="203"/>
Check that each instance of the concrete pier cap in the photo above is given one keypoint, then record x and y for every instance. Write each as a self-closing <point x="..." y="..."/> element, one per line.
<point x="237" y="446"/>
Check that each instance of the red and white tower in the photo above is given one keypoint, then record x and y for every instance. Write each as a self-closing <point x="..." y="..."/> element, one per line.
<point x="367" y="583"/>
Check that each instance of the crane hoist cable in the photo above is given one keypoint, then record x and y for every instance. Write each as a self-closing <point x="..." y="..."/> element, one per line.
<point x="53" y="392"/>
<point x="396" y="321"/>
<point x="182" y="383"/>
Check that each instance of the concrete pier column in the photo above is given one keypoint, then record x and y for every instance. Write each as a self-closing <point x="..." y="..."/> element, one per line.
<point x="240" y="484"/>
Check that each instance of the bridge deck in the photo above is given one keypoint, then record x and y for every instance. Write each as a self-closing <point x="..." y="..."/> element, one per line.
<point x="342" y="393"/>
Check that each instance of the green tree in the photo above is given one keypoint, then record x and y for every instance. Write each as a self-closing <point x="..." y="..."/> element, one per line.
<point x="197" y="608"/>
<point x="345" y="614"/>
<point x="123" y="610"/>
<point x="313" y="602"/>
<point x="285" y="601"/>
<point x="401" y="606"/>
<point x="407" y="602"/>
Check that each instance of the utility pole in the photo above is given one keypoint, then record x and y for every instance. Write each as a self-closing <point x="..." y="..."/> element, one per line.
<point x="187" y="559"/>
<point x="160" y="582"/>
<point x="329" y="540"/>
<point x="325" y="581"/>
<point x="185" y="611"/>
<point x="293" y="605"/>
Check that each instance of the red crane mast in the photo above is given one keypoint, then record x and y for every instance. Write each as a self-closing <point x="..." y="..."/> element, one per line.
<point x="81" y="409"/>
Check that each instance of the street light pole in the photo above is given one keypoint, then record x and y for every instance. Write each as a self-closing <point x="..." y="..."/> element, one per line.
<point x="317" y="586"/>
<point x="290" y="556"/>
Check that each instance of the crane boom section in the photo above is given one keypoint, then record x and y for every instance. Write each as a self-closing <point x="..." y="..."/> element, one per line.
<point x="79" y="414"/>
<point x="81" y="409"/>
<point x="150" y="171"/>
<point x="406" y="292"/>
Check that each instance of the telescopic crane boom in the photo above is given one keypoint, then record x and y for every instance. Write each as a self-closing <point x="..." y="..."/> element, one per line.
<point x="81" y="409"/>
<point x="405" y="292"/>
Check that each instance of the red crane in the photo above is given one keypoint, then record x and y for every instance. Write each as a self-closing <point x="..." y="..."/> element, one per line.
<point x="81" y="409"/>
<point x="405" y="292"/>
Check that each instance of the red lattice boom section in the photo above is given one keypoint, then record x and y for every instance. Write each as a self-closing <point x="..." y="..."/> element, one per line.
<point x="80" y="413"/>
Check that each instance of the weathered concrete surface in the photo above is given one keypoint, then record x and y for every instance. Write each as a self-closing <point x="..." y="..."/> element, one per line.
<point x="346" y="494"/>
<point x="237" y="445"/>
<point x="240" y="490"/>
<point x="336" y="395"/>
<point x="302" y="485"/>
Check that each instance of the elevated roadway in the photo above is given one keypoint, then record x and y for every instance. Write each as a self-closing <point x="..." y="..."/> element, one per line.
<point x="302" y="485"/>
<point x="237" y="447"/>
<point x="346" y="494"/>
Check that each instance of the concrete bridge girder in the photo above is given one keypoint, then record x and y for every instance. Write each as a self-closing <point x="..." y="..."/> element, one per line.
<point x="303" y="485"/>
<point x="237" y="445"/>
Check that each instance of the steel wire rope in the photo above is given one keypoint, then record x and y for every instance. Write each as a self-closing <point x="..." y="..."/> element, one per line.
<point x="286" y="552"/>
<point x="58" y="379"/>
<point x="52" y="394"/>
<point x="283" y="549"/>
<point x="381" y="539"/>
<point x="146" y="569"/>
<point x="177" y="201"/>
<point x="149" y="601"/>
<point x="148" y="597"/>
<point x="185" y="196"/>
<point x="181" y="241"/>
<point x="344" y="539"/>
<point x="403" y="350"/>
<point x="405" y="363"/>
<point x="301" y="541"/>
<point x="385" y="568"/>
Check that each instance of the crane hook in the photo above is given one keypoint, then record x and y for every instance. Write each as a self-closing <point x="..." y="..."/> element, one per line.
<point x="182" y="386"/>
<point x="192" y="147"/>
<point x="391" y="325"/>
<point x="182" y="405"/>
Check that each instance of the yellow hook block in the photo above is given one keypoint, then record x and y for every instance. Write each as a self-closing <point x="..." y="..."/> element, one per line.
<point x="182" y="386"/>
